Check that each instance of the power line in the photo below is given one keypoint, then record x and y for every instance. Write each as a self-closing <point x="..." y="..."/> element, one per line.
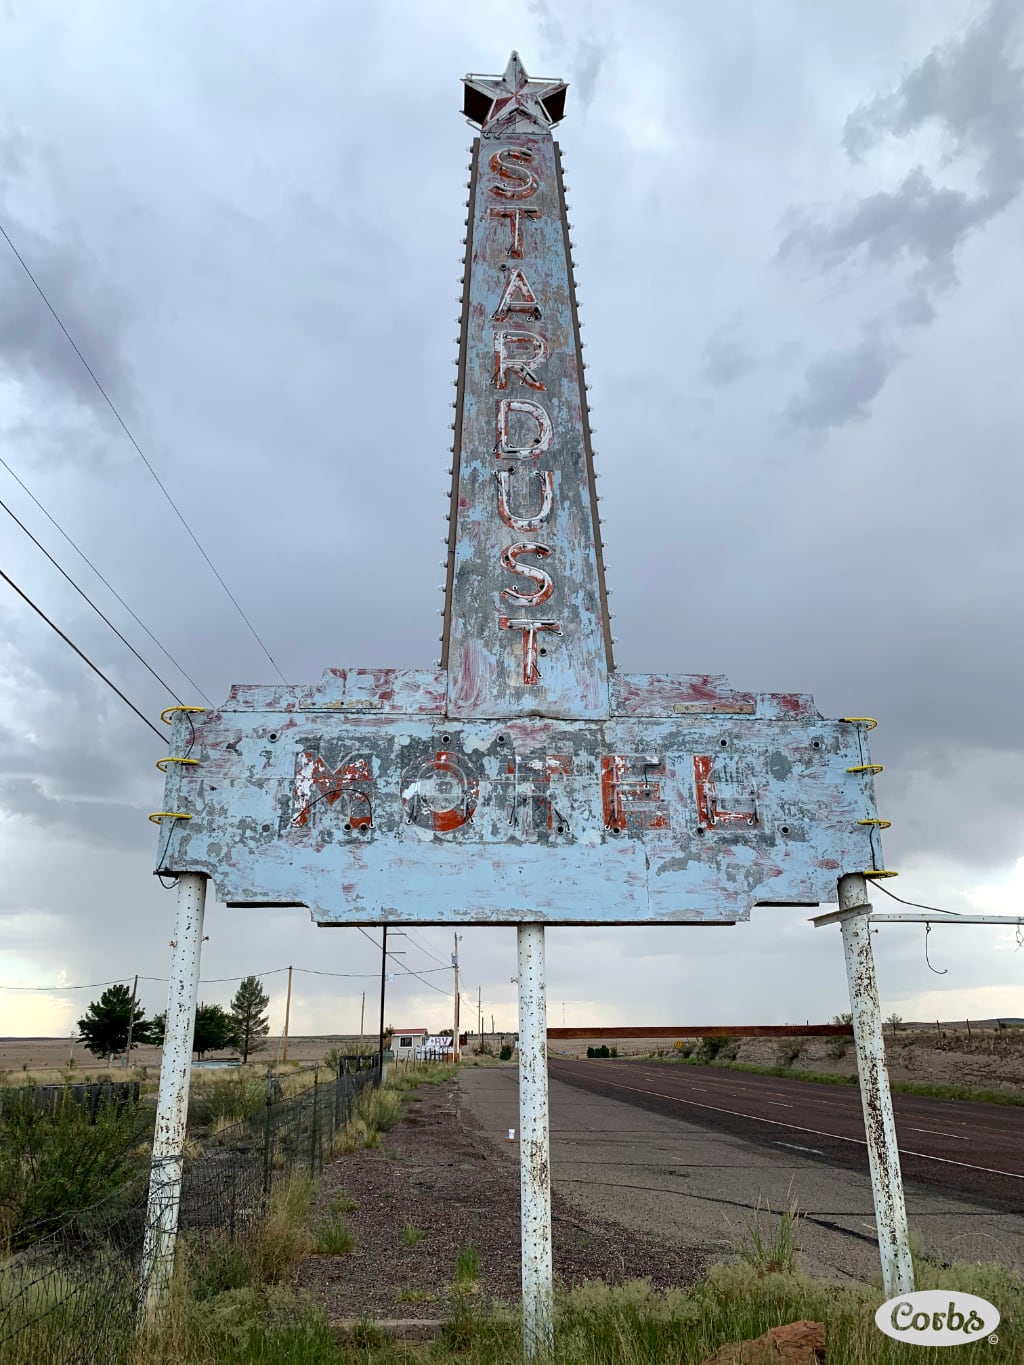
<point x="106" y="582"/>
<point x="424" y="949"/>
<point x="84" y="657"/>
<point x="138" y="449"/>
<point x="402" y="967"/>
<point x="212" y="980"/>
<point x="81" y="592"/>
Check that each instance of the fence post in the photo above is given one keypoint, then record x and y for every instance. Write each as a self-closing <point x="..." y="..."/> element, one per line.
<point x="315" y="1124"/>
<point x="267" y="1156"/>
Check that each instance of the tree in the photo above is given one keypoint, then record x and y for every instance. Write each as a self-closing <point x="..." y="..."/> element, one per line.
<point x="214" y="1030"/>
<point x="251" y="1024"/>
<point x="104" y="1026"/>
<point x="842" y="1018"/>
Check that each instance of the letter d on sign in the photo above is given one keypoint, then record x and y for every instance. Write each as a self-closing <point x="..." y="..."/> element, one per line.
<point x="937" y="1317"/>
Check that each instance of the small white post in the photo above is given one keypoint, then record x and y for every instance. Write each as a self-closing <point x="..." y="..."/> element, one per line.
<point x="879" y="1125"/>
<point x="535" y="1166"/>
<point x="172" y="1101"/>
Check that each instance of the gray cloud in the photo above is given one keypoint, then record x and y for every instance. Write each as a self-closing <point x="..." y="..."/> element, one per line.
<point x="972" y="90"/>
<point x="32" y="345"/>
<point x="839" y="387"/>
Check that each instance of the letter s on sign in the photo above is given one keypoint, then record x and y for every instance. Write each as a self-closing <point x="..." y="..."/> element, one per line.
<point x="545" y="584"/>
<point x="512" y="164"/>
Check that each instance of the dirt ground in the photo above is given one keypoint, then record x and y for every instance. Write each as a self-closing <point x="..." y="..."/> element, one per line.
<point x="440" y="1177"/>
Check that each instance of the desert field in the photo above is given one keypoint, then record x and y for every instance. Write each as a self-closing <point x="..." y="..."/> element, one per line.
<point x="990" y="1058"/>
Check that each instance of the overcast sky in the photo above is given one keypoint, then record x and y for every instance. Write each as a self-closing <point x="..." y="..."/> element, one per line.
<point x="798" y="234"/>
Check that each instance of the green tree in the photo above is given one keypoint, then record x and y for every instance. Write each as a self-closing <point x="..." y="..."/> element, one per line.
<point x="104" y="1026"/>
<point x="251" y="1023"/>
<point x="214" y="1030"/>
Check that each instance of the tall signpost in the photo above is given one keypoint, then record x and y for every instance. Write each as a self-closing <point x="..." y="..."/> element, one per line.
<point x="523" y="781"/>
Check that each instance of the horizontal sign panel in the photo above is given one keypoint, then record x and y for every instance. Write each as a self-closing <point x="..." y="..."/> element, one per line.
<point x="382" y="818"/>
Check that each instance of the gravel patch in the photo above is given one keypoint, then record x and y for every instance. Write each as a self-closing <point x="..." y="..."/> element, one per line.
<point x="439" y="1175"/>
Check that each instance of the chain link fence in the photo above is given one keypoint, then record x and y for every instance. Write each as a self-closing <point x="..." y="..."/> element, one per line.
<point x="73" y="1295"/>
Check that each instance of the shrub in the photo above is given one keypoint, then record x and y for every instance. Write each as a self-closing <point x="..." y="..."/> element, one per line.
<point x="788" y="1051"/>
<point x="712" y="1049"/>
<point x="55" y="1163"/>
<point x="229" y="1098"/>
<point x="506" y="1052"/>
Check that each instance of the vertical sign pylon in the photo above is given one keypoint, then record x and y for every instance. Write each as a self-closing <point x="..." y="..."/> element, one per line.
<point x="526" y="621"/>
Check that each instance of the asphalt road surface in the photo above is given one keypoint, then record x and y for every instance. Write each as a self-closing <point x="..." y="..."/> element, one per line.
<point x="975" y="1151"/>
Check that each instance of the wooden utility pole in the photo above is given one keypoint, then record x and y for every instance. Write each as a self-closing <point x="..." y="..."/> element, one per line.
<point x="287" y="1013"/>
<point x="455" y="1024"/>
<point x="479" y="1021"/>
<point x="383" y="984"/>
<point x="362" y="1019"/>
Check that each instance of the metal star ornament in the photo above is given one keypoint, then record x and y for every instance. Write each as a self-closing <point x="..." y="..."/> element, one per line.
<point x="503" y="104"/>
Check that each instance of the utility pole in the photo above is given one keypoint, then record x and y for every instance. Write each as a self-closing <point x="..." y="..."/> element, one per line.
<point x="287" y="1014"/>
<point x="383" y="984"/>
<point x="455" y="1023"/>
<point x="479" y="1022"/>
<point x="131" y="1020"/>
<point x="362" y="1020"/>
<point x="492" y="1025"/>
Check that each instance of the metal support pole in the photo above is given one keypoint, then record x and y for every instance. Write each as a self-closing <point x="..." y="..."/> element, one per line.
<point x="535" y="1166"/>
<point x="172" y="1100"/>
<point x="879" y="1125"/>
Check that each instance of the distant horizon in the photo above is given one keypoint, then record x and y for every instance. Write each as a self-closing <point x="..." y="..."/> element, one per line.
<point x="372" y="1033"/>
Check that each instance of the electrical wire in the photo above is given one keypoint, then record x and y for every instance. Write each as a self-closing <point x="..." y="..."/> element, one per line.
<point x="401" y="966"/>
<point x="106" y="583"/>
<point x="138" y="449"/>
<point x="424" y="949"/>
<point x="915" y="905"/>
<point x="83" y="594"/>
<point x="208" y="980"/>
<point x="84" y="657"/>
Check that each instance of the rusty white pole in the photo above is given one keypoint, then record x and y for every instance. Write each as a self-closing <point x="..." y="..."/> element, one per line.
<point x="172" y="1101"/>
<point x="535" y="1166"/>
<point x="879" y="1125"/>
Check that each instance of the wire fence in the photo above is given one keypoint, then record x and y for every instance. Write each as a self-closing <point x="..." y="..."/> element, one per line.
<point x="73" y="1296"/>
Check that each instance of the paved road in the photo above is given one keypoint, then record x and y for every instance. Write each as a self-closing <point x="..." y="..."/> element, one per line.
<point x="972" y="1150"/>
<point x="679" y="1172"/>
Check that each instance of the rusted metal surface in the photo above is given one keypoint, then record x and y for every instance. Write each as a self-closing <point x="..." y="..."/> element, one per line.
<point x="707" y="1031"/>
<point x="524" y="779"/>
<point x="879" y="1125"/>
<point x="172" y="1100"/>
<point x="365" y="812"/>
<point x="534" y="1144"/>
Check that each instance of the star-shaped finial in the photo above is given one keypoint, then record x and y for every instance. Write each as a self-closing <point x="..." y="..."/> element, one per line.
<point x="503" y="103"/>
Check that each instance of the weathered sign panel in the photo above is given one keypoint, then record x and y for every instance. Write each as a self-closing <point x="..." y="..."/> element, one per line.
<point x="525" y="779"/>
